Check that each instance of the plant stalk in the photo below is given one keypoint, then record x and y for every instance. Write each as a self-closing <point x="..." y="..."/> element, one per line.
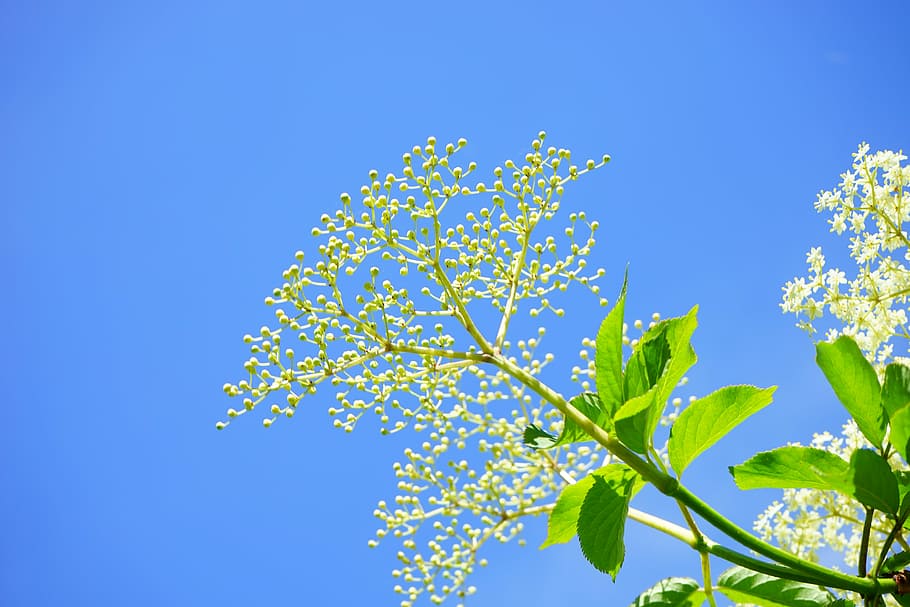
<point x="671" y="487"/>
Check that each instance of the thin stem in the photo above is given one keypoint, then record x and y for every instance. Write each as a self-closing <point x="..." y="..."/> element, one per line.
<point x="864" y="543"/>
<point x="706" y="576"/>
<point x="462" y="312"/>
<point x="894" y="534"/>
<point x="706" y="545"/>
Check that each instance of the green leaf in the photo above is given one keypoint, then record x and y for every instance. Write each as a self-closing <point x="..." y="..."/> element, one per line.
<point x="589" y="404"/>
<point x="563" y="520"/>
<point x="856" y="385"/>
<point x="708" y="419"/>
<point x="841" y="603"/>
<point x="900" y="431"/>
<point x="631" y="421"/>
<point x="742" y="585"/>
<point x="608" y="354"/>
<point x="867" y="477"/>
<point x="602" y="519"/>
<point x="874" y="483"/>
<point x="896" y="562"/>
<point x="793" y="468"/>
<point x="647" y="363"/>
<point x="637" y="419"/>
<point x="903" y="488"/>
<point x="537" y="438"/>
<point x="672" y="592"/>
<point x="896" y="389"/>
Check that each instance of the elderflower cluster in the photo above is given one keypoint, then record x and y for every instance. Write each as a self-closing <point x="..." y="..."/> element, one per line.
<point x="394" y="314"/>
<point x="872" y="203"/>
<point x="374" y="333"/>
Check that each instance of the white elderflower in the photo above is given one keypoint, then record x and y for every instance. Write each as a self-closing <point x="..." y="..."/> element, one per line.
<point x="873" y="204"/>
<point x="384" y="313"/>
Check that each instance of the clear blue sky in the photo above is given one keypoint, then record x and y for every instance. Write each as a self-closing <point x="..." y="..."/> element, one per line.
<point x="161" y="162"/>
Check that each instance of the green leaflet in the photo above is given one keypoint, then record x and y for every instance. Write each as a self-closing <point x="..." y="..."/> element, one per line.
<point x="874" y="483"/>
<point x="631" y="421"/>
<point x="602" y="519"/>
<point x="637" y="419"/>
<point x="563" y="521"/>
<point x="869" y="481"/>
<point x="647" y="363"/>
<point x="896" y="389"/>
<point x="672" y="592"/>
<point x="589" y="404"/>
<point x="855" y="384"/>
<point x="896" y="402"/>
<point x="903" y="489"/>
<point x="709" y="419"/>
<point x="896" y="562"/>
<point x="608" y="354"/>
<point x="742" y="585"/>
<point x="900" y="431"/>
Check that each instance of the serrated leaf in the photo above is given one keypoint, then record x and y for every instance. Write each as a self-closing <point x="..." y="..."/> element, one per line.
<point x="903" y="489"/>
<point x="563" y="520"/>
<point x="672" y="592"/>
<point x="900" y="431"/>
<point x="708" y="419"/>
<point x="856" y="385"/>
<point x="793" y="468"/>
<point x="896" y="562"/>
<point x="631" y="421"/>
<point x="742" y="585"/>
<point x="592" y="408"/>
<point x="648" y="361"/>
<point x="872" y="483"/>
<point x="537" y="438"/>
<point x="602" y="520"/>
<point x="896" y="388"/>
<point x="637" y="419"/>
<point x="608" y="354"/>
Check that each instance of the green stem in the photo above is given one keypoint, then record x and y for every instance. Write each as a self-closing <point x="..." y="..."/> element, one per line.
<point x="864" y="543"/>
<point x="705" y="545"/>
<point x="889" y="540"/>
<point x="671" y="487"/>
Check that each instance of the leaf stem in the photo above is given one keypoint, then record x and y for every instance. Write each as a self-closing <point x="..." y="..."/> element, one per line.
<point x="889" y="540"/>
<point x="864" y="543"/>
<point x="671" y="487"/>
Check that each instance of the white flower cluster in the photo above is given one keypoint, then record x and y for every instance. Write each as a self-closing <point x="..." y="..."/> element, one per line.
<point x="365" y="334"/>
<point x="386" y="315"/>
<point x="872" y="202"/>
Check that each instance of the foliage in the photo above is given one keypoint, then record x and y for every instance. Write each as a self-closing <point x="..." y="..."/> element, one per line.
<point x="451" y="384"/>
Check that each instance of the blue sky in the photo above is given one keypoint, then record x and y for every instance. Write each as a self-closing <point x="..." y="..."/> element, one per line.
<point x="161" y="162"/>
